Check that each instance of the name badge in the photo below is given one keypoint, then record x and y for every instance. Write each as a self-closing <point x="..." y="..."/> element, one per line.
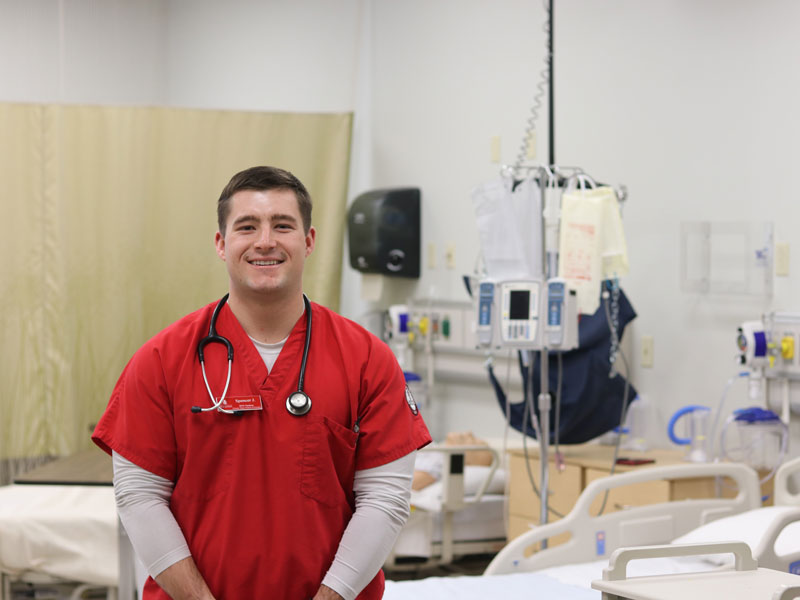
<point x="242" y="403"/>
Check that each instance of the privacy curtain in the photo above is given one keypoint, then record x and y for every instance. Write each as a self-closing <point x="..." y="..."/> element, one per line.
<point x="109" y="216"/>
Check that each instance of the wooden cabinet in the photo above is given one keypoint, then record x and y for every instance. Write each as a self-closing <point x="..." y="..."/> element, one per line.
<point x="524" y="506"/>
<point x="583" y="464"/>
<point x="586" y="462"/>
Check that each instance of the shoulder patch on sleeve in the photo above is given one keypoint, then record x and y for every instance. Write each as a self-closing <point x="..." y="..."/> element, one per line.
<point x="411" y="402"/>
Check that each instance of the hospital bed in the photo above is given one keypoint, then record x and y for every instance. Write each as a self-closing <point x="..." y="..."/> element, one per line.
<point x="773" y="533"/>
<point x="59" y="533"/>
<point x="461" y="514"/>
<point x="59" y="540"/>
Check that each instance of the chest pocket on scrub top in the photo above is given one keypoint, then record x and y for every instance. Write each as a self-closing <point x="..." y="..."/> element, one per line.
<point x="328" y="461"/>
<point x="208" y="462"/>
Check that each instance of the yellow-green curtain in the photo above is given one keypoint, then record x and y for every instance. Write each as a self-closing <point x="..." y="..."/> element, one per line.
<point x="110" y="214"/>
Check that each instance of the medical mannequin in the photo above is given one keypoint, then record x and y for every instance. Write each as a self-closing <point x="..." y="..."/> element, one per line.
<point x="429" y="465"/>
<point x="253" y="499"/>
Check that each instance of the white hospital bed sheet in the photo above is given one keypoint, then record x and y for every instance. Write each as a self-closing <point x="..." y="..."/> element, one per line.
<point x="69" y="532"/>
<point x="478" y="522"/>
<point x="567" y="581"/>
<point x="515" y="586"/>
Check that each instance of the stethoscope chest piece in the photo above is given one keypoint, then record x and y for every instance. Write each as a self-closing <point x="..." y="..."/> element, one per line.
<point x="298" y="403"/>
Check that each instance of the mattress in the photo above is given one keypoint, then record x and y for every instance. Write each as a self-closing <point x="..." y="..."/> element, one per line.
<point x="516" y="586"/>
<point x="568" y="582"/>
<point x="68" y="532"/>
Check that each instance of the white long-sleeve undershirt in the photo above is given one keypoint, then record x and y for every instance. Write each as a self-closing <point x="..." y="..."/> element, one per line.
<point x="381" y="509"/>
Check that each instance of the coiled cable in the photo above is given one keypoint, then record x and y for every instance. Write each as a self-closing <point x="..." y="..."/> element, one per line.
<point x="541" y="87"/>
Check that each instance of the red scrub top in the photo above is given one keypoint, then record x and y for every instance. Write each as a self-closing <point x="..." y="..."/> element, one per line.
<point x="264" y="497"/>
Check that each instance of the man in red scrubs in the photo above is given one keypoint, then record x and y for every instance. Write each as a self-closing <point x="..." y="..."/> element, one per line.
<point x="262" y="496"/>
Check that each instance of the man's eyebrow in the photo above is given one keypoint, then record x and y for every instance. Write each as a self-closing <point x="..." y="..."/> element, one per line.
<point x="244" y="218"/>
<point x="282" y="217"/>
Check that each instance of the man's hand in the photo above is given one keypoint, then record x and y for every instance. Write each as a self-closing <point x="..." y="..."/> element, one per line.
<point x="182" y="581"/>
<point x="326" y="593"/>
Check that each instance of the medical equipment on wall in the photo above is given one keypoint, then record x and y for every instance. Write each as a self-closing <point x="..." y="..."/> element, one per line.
<point x="768" y="350"/>
<point x="397" y="334"/>
<point x="298" y="403"/>
<point x="698" y="419"/>
<point x="756" y="437"/>
<point x="638" y="431"/>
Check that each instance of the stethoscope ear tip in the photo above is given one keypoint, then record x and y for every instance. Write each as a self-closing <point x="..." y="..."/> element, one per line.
<point x="196" y="409"/>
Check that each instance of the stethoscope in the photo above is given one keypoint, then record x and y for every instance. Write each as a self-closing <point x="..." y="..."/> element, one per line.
<point x="298" y="403"/>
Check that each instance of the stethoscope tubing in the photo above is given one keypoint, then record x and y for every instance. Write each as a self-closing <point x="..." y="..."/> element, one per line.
<point x="213" y="337"/>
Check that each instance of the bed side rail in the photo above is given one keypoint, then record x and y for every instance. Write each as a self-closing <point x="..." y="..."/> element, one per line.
<point x="787" y="592"/>
<point x="593" y="538"/>
<point x="783" y="496"/>
<point x="765" y="551"/>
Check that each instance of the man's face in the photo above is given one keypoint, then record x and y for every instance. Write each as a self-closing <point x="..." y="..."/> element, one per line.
<point x="264" y="246"/>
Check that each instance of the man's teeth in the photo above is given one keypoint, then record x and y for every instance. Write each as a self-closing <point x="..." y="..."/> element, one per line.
<point x="264" y="263"/>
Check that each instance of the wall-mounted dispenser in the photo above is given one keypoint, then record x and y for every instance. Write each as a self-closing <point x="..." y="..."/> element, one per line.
<point x="384" y="232"/>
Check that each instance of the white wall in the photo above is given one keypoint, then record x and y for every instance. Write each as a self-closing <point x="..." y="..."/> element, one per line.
<point x="239" y="55"/>
<point x="82" y="51"/>
<point x="280" y="55"/>
<point x="690" y="104"/>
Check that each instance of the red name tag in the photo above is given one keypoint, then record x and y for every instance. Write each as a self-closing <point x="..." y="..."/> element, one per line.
<point x="242" y="403"/>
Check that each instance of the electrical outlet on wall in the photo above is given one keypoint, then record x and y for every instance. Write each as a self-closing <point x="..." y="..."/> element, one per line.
<point x="450" y="256"/>
<point x="647" y="351"/>
<point x="494" y="149"/>
<point x="431" y="255"/>
<point x="782" y="259"/>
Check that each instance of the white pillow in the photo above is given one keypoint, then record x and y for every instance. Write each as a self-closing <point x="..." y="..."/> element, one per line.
<point x="475" y="475"/>
<point x="430" y="497"/>
<point x="748" y="527"/>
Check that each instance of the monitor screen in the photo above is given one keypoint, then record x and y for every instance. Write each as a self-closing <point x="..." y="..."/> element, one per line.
<point x="519" y="304"/>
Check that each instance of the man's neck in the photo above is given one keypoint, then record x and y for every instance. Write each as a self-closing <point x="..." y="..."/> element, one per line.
<point x="265" y="318"/>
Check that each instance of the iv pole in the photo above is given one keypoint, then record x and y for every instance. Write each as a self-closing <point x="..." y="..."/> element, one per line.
<point x="551" y="104"/>
<point x="544" y="400"/>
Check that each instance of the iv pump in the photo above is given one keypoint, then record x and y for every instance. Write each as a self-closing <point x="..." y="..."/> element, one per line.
<point x="527" y="314"/>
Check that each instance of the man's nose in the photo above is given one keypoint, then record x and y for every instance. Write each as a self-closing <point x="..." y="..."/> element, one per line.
<point x="265" y="239"/>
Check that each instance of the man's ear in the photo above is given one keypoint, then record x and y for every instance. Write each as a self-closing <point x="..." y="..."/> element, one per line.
<point x="311" y="238"/>
<point x="219" y="242"/>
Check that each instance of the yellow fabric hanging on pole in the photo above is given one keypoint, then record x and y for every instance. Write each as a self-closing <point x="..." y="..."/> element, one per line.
<point x="110" y="215"/>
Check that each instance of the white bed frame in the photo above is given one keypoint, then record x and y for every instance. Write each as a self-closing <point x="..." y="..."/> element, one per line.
<point x="652" y="524"/>
<point x="784" y="496"/>
<point x="636" y="526"/>
<point x="453" y="500"/>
